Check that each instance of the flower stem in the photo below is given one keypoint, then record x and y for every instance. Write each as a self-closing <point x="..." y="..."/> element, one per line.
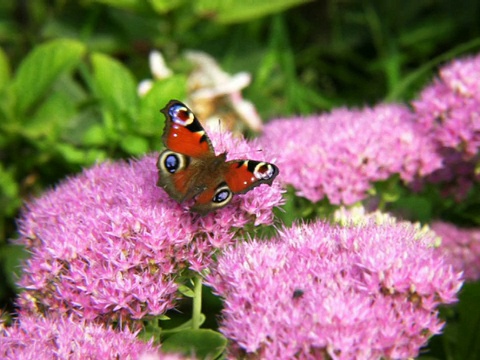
<point x="197" y="302"/>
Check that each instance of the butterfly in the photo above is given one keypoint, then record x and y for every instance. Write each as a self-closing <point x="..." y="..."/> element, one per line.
<point x="189" y="169"/>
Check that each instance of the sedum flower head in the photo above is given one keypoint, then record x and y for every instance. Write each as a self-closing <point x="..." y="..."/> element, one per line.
<point x="448" y="112"/>
<point x="340" y="154"/>
<point x="65" y="338"/>
<point x="461" y="248"/>
<point x="363" y="290"/>
<point x="110" y="244"/>
<point x="447" y="109"/>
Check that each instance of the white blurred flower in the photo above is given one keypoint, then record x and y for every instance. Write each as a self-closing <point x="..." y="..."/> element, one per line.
<point x="209" y="80"/>
<point x="247" y="112"/>
<point x="144" y="87"/>
<point x="213" y="94"/>
<point x="211" y="88"/>
<point x="159" y="71"/>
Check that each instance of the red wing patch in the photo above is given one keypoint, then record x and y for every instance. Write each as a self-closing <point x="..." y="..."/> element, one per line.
<point x="183" y="133"/>
<point x="242" y="175"/>
<point x="183" y="141"/>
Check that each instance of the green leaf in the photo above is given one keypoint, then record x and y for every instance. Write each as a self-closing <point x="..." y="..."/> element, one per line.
<point x="187" y="325"/>
<point x="186" y="291"/>
<point x="71" y="153"/>
<point x="464" y="336"/>
<point x="93" y="156"/>
<point x="151" y="329"/>
<point x="150" y="120"/>
<point x="389" y="190"/>
<point x="50" y="117"/>
<point x="414" y="207"/>
<point x="95" y="135"/>
<point x="162" y="6"/>
<point x="11" y="256"/>
<point x="469" y="314"/>
<point x="203" y="343"/>
<point x="40" y="69"/>
<point x="4" y="69"/>
<point x="81" y="129"/>
<point x="134" y="145"/>
<point x="135" y="5"/>
<point x="78" y="156"/>
<point x="237" y="11"/>
<point x="10" y="199"/>
<point x="114" y="84"/>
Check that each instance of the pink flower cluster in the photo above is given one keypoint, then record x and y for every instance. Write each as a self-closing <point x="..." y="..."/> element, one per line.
<point x="447" y="111"/>
<point x="461" y="248"/>
<point x="65" y="338"/>
<point x="365" y="290"/>
<point x="339" y="155"/>
<point x="109" y="244"/>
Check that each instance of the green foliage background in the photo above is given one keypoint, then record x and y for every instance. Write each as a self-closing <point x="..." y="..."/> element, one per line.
<point x="69" y="71"/>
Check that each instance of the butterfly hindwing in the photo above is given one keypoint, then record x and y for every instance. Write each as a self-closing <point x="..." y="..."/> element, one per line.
<point x="243" y="175"/>
<point x="239" y="176"/>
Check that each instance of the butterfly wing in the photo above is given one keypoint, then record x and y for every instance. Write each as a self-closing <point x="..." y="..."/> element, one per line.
<point x="187" y="147"/>
<point x="183" y="133"/>
<point x="189" y="168"/>
<point x="237" y="177"/>
<point x="243" y="175"/>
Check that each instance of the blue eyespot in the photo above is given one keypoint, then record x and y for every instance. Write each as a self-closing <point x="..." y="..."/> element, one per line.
<point x="172" y="163"/>
<point x="221" y="196"/>
<point x="181" y="115"/>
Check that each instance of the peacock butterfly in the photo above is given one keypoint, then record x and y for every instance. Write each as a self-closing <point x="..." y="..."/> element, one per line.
<point x="189" y="168"/>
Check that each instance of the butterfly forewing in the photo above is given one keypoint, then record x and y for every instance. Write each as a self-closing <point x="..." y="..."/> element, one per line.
<point x="183" y="132"/>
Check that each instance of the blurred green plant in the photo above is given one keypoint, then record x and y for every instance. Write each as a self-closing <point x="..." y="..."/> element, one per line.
<point x="65" y="108"/>
<point x="69" y="73"/>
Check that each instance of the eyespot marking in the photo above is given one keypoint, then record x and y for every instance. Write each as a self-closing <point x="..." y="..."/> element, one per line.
<point x="222" y="195"/>
<point x="181" y="115"/>
<point x="264" y="171"/>
<point x="171" y="162"/>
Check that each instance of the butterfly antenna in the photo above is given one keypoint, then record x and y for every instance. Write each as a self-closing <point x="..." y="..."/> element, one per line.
<point x="219" y="127"/>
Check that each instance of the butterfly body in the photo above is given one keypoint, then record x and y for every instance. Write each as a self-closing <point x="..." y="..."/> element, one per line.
<point x="190" y="169"/>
